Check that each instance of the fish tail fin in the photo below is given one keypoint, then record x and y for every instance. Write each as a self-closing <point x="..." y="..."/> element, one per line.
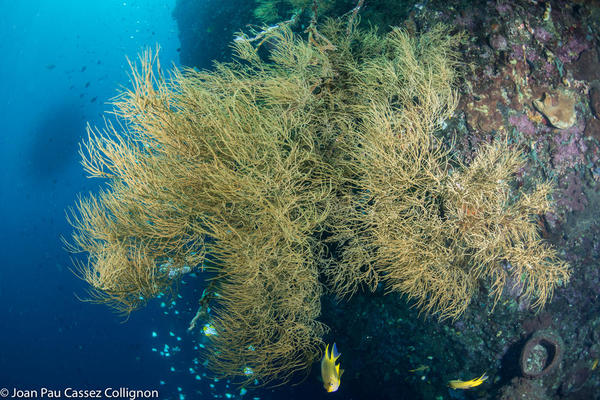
<point x="334" y="352"/>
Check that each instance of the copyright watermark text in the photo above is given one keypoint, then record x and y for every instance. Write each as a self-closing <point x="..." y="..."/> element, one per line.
<point x="74" y="393"/>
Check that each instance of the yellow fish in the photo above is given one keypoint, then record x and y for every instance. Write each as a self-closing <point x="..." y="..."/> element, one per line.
<point x="458" y="384"/>
<point x="419" y="368"/>
<point x="330" y="372"/>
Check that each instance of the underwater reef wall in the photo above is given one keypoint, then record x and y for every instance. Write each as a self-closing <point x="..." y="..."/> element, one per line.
<point x="314" y="168"/>
<point x="207" y="27"/>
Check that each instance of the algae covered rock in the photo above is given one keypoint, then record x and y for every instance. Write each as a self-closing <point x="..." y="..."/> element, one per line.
<point x="558" y="107"/>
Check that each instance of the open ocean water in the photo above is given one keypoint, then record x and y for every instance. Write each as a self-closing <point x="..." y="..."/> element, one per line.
<point x="61" y="62"/>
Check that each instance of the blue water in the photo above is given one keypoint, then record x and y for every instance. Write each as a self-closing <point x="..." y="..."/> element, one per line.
<point x="61" y="61"/>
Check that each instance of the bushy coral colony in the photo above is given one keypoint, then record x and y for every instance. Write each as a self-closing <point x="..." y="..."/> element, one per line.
<point x="252" y="163"/>
<point x="434" y="161"/>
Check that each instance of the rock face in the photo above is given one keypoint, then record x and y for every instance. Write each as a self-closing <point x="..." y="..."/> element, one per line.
<point x="595" y="100"/>
<point x="559" y="108"/>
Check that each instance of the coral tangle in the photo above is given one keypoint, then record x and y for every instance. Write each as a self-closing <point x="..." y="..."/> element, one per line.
<point x="319" y="162"/>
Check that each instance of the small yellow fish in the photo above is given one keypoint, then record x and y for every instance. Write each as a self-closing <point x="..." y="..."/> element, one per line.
<point x="419" y="368"/>
<point x="458" y="384"/>
<point x="595" y="364"/>
<point x="330" y="372"/>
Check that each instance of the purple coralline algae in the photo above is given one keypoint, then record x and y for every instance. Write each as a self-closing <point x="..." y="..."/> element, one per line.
<point x="542" y="35"/>
<point x="570" y="147"/>
<point x="571" y="196"/>
<point x="570" y="51"/>
<point x="522" y="123"/>
<point x="498" y="42"/>
<point x="503" y="8"/>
